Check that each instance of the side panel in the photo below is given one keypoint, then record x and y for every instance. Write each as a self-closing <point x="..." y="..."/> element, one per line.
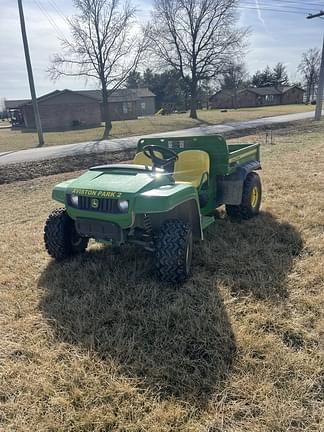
<point x="243" y="155"/>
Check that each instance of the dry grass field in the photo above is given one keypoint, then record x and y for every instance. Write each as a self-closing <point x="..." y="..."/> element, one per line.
<point x="4" y="123"/>
<point x="11" y="140"/>
<point x="97" y="344"/>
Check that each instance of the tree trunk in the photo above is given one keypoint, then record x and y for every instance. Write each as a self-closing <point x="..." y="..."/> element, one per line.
<point x="312" y="90"/>
<point x="105" y="113"/>
<point x="193" y="101"/>
<point x="235" y="98"/>
<point x="307" y="92"/>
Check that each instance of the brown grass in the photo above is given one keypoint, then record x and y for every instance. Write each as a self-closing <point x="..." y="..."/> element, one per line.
<point x="97" y="344"/>
<point x="11" y="140"/>
<point x="4" y="123"/>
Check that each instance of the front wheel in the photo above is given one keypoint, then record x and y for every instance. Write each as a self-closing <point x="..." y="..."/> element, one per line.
<point x="173" y="251"/>
<point x="60" y="236"/>
<point x="251" y="199"/>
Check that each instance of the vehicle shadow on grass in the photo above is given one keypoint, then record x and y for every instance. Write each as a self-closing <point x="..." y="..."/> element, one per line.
<point x="176" y="340"/>
<point x="251" y="257"/>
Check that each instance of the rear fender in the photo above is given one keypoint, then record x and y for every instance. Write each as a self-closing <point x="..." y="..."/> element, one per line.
<point x="230" y="187"/>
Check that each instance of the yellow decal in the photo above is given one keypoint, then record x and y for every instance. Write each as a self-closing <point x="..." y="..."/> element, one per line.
<point x="96" y="194"/>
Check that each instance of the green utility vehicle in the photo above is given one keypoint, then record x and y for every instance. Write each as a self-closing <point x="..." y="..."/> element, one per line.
<point x="161" y="202"/>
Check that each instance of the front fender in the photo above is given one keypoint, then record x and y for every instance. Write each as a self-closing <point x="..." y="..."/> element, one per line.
<point x="177" y="201"/>
<point x="165" y="198"/>
<point x="59" y="191"/>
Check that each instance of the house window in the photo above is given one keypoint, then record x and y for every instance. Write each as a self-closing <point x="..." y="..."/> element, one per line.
<point x="127" y="107"/>
<point x="269" y="99"/>
<point x="143" y="106"/>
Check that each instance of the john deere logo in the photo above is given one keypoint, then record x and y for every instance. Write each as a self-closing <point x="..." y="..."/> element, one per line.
<point x="94" y="203"/>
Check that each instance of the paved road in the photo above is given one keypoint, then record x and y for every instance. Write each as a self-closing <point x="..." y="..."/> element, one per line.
<point x="53" y="152"/>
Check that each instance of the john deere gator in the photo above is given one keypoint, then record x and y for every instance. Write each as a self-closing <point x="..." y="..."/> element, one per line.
<point x="162" y="201"/>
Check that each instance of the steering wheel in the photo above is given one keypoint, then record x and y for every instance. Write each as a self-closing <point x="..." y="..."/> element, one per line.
<point x="150" y="150"/>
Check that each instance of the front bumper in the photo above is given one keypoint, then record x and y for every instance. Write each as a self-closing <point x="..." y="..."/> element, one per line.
<point x="99" y="230"/>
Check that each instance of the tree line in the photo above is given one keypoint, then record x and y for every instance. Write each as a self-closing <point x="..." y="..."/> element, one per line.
<point x="172" y="94"/>
<point x="191" y="42"/>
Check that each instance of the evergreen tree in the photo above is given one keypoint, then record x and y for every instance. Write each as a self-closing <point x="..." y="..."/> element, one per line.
<point x="280" y="75"/>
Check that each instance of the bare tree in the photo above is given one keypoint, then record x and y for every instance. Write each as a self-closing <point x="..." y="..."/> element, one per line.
<point x="196" y="38"/>
<point x="234" y="78"/>
<point x="104" y="46"/>
<point x="309" y="67"/>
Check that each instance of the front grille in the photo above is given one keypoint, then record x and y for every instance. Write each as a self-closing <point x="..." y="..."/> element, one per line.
<point x="105" y="205"/>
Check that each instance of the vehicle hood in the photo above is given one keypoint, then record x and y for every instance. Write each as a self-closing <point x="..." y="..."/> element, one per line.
<point x="113" y="183"/>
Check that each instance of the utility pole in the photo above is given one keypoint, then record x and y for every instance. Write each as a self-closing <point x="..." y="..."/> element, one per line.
<point x="320" y="89"/>
<point x="30" y="76"/>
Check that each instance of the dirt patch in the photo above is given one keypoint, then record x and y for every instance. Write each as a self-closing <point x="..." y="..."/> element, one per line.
<point x="29" y="170"/>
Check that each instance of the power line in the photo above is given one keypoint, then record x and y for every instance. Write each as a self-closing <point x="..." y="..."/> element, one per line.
<point x="56" y="28"/>
<point x="310" y="4"/>
<point x="59" y="11"/>
<point x="272" y="10"/>
<point x="285" y="8"/>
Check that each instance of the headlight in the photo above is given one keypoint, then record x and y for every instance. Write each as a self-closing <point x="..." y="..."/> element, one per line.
<point x="123" y="206"/>
<point x="74" y="200"/>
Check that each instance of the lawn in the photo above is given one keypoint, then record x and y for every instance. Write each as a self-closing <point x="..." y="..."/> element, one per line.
<point x="17" y="140"/>
<point x="97" y="344"/>
<point x="4" y="123"/>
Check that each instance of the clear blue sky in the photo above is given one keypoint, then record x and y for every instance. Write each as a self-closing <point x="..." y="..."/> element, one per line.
<point x="275" y="36"/>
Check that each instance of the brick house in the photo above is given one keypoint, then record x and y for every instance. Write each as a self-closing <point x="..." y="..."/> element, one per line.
<point x="127" y="104"/>
<point x="63" y="109"/>
<point x="254" y="97"/>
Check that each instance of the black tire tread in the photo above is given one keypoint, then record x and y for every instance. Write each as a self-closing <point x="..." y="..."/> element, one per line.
<point x="170" y="247"/>
<point x="57" y="235"/>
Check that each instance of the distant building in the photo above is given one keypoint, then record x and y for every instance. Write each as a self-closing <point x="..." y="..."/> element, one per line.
<point x="63" y="109"/>
<point x="255" y="97"/>
<point x="127" y="104"/>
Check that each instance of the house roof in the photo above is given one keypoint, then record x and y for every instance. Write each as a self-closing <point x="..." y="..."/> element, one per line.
<point x="120" y="95"/>
<point x="15" y="103"/>
<point x="260" y="91"/>
<point x="287" y="88"/>
<point x="224" y="92"/>
<point x="12" y="104"/>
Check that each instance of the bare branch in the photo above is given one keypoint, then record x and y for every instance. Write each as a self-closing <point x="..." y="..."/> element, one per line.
<point x="105" y="45"/>
<point x="197" y="38"/>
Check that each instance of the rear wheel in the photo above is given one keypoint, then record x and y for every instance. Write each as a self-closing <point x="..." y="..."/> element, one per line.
<point x="60" y="236"/>
<point x="251" y="199"/>
<point x="173" y="251"/>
